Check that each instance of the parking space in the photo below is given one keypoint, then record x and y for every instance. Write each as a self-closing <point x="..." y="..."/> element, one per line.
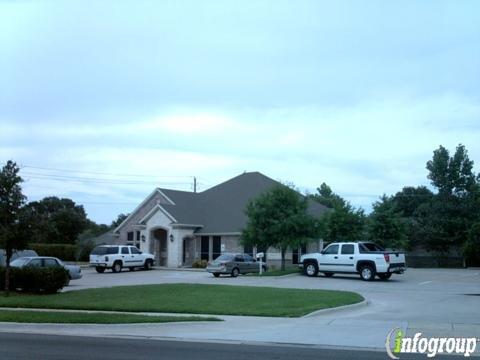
<point x="420" y="295"/>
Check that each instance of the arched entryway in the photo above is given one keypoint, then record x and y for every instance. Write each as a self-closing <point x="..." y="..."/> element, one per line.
<point x="159" y="246"/>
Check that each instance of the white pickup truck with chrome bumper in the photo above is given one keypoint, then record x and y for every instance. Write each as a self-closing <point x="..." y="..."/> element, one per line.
<point x="364" y="258"/>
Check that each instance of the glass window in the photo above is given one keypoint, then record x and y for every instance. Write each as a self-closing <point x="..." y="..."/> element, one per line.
<point x="368" y="247"/>
<point x="130" y="236"/>
<point x="138" y="235"/>
<point x="105" y="250"/>
<point x="50" y="262"/>
<point x="35" y="263"/>
<point x="347" y="249"/>
<point x="238" y="258"/>
<point x="134" y="250"/>
<point x="225" y="257"/>
<point x="331" y="250"/>
<point x="248" y="258"/>
<point x="125" y="250"/>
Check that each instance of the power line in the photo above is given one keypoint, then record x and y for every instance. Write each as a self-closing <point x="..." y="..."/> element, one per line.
<point x="40" y="176"/>
<point x="105" y="173"/>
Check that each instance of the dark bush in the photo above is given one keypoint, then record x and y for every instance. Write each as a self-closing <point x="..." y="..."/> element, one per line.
<point x="200" y="263"/>
<point x="64" y="252"/>
<point x="33" y="279"/>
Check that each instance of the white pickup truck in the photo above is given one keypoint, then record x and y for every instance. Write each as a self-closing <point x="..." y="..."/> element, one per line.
<point x="364" y="258"/>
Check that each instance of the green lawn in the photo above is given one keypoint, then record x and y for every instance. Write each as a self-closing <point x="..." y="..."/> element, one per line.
<point x="21" y="316"/>
<point x="190" y="299"/>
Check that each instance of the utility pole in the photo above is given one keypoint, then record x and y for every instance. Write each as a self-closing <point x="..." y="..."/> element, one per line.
<point x="194" y="184"/>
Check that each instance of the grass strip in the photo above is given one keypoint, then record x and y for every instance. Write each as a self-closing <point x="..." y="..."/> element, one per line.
<point x="277" y="272"/>
<point x="59" y="317"/>
<point x="190" y="299"/>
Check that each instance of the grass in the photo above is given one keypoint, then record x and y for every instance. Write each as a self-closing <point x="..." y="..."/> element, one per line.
<point x="277" y="272"/>
<point x="190" y="299"/>
<point x="54" y="317"/>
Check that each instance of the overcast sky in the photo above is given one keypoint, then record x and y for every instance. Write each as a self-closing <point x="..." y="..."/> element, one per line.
<point x="356" y="94"/>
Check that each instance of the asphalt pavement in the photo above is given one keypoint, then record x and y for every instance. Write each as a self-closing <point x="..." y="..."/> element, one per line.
<point x="47" y="347"/>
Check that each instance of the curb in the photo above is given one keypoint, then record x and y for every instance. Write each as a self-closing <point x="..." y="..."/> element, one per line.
<point x="363" y="303"/>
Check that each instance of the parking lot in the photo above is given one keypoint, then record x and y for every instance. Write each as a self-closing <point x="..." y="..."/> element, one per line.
<point x="423" y="296"/>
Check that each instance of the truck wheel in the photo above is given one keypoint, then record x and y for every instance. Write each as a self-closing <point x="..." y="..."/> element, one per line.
<point x="385" y="276"/>
<point x="216" y="274"/>
<point x="328" y="274"/>
<point x="148" y="264"/>
<point x="311" y="269"/>
<point x="235" y="272"/>
<point x="100" y="269"/>
<point x="117" y="267"/>
<point x="367" y="273"/>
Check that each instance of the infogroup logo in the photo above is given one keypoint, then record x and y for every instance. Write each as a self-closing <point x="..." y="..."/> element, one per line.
<point x="397" y="343"/>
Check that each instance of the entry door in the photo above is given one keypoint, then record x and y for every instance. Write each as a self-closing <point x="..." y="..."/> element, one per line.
<point x="163" y="252"/>
<point x="216" y="251"/>
<point x="205" y="247"/>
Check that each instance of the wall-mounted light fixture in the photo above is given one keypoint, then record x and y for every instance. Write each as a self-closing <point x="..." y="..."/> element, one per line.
<point x="143" y="238"/>
<point x="171" y="238"/>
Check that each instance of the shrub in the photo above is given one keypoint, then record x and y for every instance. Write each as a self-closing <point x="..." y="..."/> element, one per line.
<point x="84" y="248"/>
<point x="33" y="279"/>
<point x="202" y="264"/>
<point x="64" y="252"/>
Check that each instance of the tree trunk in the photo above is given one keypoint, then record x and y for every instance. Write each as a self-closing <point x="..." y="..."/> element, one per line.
<point x="7" y="271"/>
<point x="283" y="259"/>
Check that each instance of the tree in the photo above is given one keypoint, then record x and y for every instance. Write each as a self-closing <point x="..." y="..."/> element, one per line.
<point x="345" y="222"/>
<point x="11" y="204"/>
<point x="386" y="225"/>
<point x="451" y="175"/>
<point x="447" y="218"/>
<point x="472" y="246"/>
<point x="118" y="221"/>
<point x="55" y="220"/>
<point x="409" y="199"/>
<point x="328" y="198"/>
<point x="279" y="218"/>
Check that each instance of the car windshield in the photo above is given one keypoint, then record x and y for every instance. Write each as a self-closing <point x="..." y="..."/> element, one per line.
<point x="19" y="262"/>
<point x="225" y="257"/>
<point x="105" y="250"/>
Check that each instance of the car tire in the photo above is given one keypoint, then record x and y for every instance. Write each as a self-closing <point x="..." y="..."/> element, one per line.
<point x="216" y="275"/>
<point x="148" y="264"/>
<point x="328" y="274"/>
<point x="68" y="281"/>
<point x="117" y="267"/>
<point x="384" y="276"/>
<point x="310" y="269"/>
<point x="131" y="268"/>
<point x="235" y="272"/>
<point x="100" y="269"/>
<point x="367" y="273"/>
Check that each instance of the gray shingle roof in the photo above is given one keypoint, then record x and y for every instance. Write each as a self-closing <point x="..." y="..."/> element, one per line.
<point x="221" y="209"/>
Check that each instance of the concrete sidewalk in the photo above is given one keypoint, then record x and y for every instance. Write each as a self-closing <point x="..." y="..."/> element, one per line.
<point x="327" y="330"/>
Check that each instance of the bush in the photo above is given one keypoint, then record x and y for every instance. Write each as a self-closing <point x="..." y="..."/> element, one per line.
<point x="64" y="252"/>
<point x="200" y="264"/>
<point x="84" y="248"/>
<point x="33" y="279"/>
